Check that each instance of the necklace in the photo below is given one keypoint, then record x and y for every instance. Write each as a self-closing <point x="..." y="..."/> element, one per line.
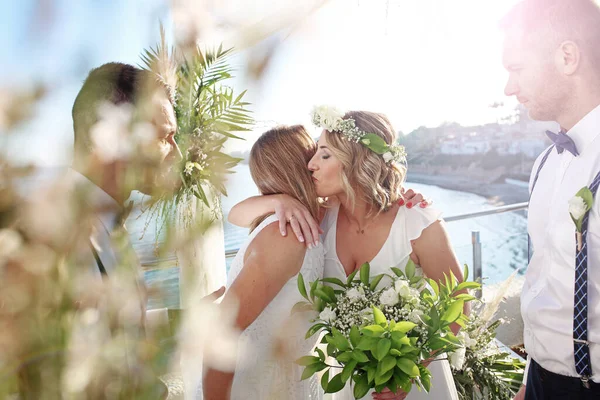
<point x="360" y="230"/>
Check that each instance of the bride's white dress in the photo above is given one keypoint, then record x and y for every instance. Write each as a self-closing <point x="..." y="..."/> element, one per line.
<point x="265" y="367"/>
<point x="407" y="226"/>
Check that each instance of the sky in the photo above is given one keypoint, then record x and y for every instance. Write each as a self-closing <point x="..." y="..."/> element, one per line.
<point x="421" y="62"/>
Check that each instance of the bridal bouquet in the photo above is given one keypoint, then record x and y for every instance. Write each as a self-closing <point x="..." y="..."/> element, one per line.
<point x="381" y="337"/>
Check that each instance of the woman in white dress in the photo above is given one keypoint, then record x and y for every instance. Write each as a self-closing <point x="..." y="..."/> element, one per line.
<point x="262" y="281"/>
<point x="365" y="222"/>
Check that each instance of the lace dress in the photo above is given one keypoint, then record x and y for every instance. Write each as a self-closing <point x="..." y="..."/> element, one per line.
<point x="265" y="368"/>
<point x="395" y="252"/>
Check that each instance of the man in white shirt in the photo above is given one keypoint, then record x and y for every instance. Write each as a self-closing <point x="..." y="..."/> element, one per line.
<point x="552" y="53"/>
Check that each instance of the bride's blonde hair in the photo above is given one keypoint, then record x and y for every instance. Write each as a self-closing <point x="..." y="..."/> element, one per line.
<point x="278" y="165"/>
<point x="365" y="174"/>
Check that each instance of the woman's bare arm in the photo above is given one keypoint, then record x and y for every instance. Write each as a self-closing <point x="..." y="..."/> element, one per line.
<point x="287" y="209"/>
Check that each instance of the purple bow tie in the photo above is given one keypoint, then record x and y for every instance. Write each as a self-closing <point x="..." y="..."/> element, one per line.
<point x="563" y="142"/>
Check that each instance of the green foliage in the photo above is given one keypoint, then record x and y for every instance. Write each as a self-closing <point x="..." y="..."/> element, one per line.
<point x="383" y="353"/>
<point x="208" y="113"/>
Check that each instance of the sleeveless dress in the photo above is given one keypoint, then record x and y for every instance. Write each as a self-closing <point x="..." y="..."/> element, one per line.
<point x="395" y="252"/>
<point x="265" y="366"/>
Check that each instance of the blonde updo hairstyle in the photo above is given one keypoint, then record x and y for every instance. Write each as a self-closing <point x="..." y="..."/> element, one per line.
<point x="365" y="175"/>
<point x="278" y="162"/>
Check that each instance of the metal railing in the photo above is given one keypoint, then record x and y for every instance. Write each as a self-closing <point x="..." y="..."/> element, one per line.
<point x="475" y="237"/>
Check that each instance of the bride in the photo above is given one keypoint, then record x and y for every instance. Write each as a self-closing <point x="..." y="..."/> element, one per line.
<point x="262" y="281"/>
<point x="364" y="221"/>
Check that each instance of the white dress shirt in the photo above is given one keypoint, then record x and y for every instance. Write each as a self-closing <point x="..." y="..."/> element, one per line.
<point x="547" y="296"/>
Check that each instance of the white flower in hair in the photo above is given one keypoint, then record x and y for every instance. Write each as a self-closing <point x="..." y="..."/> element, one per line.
<point x="387" y="157"/>
<point x="327" y="117"/>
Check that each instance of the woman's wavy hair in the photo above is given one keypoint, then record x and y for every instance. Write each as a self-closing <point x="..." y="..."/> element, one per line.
<point x="278" y="163"/>
<point x="365" y="175"/>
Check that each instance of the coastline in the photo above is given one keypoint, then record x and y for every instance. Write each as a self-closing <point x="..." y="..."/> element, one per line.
<point x="497" y="193"/>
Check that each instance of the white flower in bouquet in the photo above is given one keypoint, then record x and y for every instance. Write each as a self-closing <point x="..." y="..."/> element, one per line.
<point x="327" y="314"/>
<point x="577" y="207"/>
<point x="354" y="295"/>
<point x="415" y="316"/>
<point x="389" y="297"/>
<point x="457" y="358"/>
<point x="189" y="167"/>
<point x="403" y="289"/>
<point x="466" y="339"/>
<point x="327" y="117"/>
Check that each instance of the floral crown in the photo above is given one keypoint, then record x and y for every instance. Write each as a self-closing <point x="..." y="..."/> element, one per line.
<point x="331" y="119"/>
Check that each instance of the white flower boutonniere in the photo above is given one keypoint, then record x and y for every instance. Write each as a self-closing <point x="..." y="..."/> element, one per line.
<point x="578" y="206"/>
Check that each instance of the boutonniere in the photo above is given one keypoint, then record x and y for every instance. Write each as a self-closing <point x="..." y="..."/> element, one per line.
<point x="580" y="204"/>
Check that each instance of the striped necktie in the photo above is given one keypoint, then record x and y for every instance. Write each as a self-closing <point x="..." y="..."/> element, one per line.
<point x="580" y="312"/>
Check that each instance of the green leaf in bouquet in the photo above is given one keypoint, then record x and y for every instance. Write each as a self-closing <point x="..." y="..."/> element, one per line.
<point x="331" y="349"/>
<point x="344" y="357"/>
<point x="313" y="287"/>
<point x="351" y="277"/>
<point x="319" y="304"/>
<point x="348" y="370"/>
<point x="378" y="317"/>
<point x="466" y="272"/>
<point x="373" y="330"/>
<point x="340" y="340"/>
<point x="314" y="329"/>
<point x="325" y="380"/>
<point x="453" y="312"/>
<point x="392" y="385"/>
<point x="398" y="272"/>
<point x="388" y="363"/>
<point x="375" y="281"/>
<point x="450" y="337"/>
<point x="383" y="378"/>
<point x="434" y="320"/>
<point x="467" y="285"/>
<point x="354" y="335"/>
<point x="302" y="306"/>
<point x="408" y="367"/>
<point x="410" y="269"/>
<point x="365" y="271"/>
<point x="404" y="326"/>
<point x="367" y="343"/>
<point x="330" y="292"/>
<point x="321" y="354"/>
<point x="335" y="384"/>
<point x="383" y="348"/>
<point x="465" y="297"/>
<point x="302" y="287"/>
<point x="588" y="198"/>
<point x="379" y="388"/>
<point x="396" y="352"/>
<point x="360" y="356"/>
<point x="308" y="360"/>
<point x="400" y="378"/>
<point x="334" y="281"/>
<point x="425" y="378"/>
<point x="361" y="387"/>
<point x="312" y="369"/>
<point x="323" y="295"/>
<point x="370" y="373"/>
<point x="399" y="338"/>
